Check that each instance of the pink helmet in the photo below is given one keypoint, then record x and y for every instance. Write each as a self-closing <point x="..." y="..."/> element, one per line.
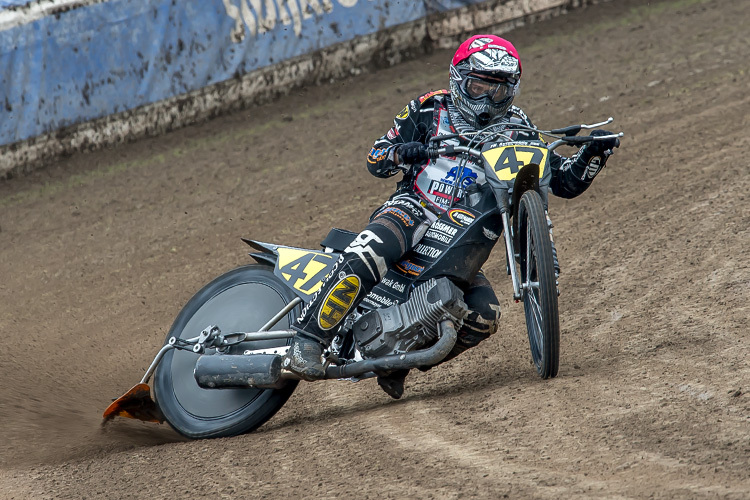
<point x="485" y="74"/>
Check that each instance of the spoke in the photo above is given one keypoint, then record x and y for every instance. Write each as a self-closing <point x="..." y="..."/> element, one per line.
<point x="538" y="321"/>
<point x="534" y="302"/>
<point x="535" y="312"/>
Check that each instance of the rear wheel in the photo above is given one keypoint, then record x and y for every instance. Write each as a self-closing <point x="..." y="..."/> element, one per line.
<point x="539" y="285"/>
<point x="241" y="300"/>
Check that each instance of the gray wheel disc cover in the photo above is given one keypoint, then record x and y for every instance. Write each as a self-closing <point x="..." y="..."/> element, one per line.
<point x="244" y="307"/>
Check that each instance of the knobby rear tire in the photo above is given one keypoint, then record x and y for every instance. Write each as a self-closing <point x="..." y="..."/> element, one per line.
<point x="240" y="300"/>
<point x="539" y="299"/>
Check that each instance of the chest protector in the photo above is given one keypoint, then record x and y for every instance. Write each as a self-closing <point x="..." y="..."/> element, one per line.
<point x="443" y="181"/>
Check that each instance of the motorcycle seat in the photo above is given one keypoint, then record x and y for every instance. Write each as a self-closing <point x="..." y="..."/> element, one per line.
<point x="338" y="239"/>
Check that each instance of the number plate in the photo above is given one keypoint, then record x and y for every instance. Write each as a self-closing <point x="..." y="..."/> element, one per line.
<point x="506" y="161"/>
<point x="304" y="270"/>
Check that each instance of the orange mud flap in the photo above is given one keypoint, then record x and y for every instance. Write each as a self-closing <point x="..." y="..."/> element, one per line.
<point x="137" y="404"/>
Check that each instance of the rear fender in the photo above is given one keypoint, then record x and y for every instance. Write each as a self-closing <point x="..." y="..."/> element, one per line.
<point x="266" y="254"/>
<point x="300" y="269"/>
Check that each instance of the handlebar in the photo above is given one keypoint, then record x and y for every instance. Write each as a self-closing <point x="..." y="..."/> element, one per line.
<point x="580" y="140"/>
<point x="565" y="135"/>
<point x="574" y="129"/>
<point x="434" y="152"/>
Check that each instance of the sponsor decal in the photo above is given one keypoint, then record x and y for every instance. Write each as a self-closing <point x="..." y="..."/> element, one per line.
<point x="438" y="236"/>
<point x="395" y="285"/>
<point x="430" y="94"/>
<point x="305" y="309"/>
<point x="399" y="214"/>
<point x="404" y="113"/>
<point x="444" y="228"/>
<point x="595" y="164"/>
<point x="377" y="154"/>
<point x="409" y="205"/>
<point x="409" y="267"/>
<point x="442" y="232"/>
<point x="338" y="301"/>
<point x="461" y="217"/>
<point x="490" y="234"/>
<point x="392" y="133"/>
<point x="377" y="299"/>
<point x="428" y="251"/>
<point x="443" y="189"/>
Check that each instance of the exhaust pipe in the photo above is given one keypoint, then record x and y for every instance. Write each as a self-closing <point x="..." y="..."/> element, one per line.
<point x="412" y="359"/>
<point x="222" y="371"/>
<point x="263" y="371"/>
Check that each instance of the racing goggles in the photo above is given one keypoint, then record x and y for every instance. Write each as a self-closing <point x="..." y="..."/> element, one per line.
<point x="497" y="91"/>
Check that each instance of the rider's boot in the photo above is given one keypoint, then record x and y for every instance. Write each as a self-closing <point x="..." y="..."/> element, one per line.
<point x="305" y="357"/>
<point x="393" y="383"/>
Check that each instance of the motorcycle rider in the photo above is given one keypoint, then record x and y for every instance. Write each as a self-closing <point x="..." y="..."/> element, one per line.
<point x="485" y="74"/>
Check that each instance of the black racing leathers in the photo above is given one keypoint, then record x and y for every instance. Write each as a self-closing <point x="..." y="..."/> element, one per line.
<point x="399" y="224"/>
<point x="419" y="120"/>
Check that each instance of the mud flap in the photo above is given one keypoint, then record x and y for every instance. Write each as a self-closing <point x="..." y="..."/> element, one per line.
<point x="137" y="404"/>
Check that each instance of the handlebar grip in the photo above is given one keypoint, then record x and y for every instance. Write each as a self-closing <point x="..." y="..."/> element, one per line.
<point x="567" y="131"/>
<point x="579" y="140"/>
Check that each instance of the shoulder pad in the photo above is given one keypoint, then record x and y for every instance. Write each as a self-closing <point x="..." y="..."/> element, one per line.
<point x="421" y="99"/>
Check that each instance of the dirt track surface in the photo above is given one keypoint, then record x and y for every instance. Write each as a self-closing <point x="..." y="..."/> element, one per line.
<point x="99" y="252"/>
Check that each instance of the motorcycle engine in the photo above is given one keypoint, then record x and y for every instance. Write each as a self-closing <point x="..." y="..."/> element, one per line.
<point x="405" y="327"/>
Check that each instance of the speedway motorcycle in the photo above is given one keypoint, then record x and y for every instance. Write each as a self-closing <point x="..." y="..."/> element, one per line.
<point x="220" y="371"/>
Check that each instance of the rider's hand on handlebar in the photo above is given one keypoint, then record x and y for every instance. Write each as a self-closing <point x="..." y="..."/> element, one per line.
<point x="597" y="148"/>
<point x="411" y="153"/>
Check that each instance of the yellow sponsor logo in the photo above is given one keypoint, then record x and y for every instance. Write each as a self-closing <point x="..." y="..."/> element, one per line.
<point x="461" y="217"/>
<point x="338" y="302"/>
<point x="404" y="113"/>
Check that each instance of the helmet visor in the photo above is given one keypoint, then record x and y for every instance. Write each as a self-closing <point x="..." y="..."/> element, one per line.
<point x="477" y="88"/>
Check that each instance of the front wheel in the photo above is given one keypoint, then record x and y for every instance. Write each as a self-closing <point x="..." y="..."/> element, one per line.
<point x="241" y="300"/>
<point x="539" y="285"/>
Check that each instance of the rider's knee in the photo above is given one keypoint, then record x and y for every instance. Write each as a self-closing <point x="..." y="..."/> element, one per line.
<point x="479" y="325"/>
<point x="484" y="313"/>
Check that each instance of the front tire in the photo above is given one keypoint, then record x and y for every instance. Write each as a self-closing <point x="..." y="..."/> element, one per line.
<point x="241" y="300"/>
<point x="539" y="285"/>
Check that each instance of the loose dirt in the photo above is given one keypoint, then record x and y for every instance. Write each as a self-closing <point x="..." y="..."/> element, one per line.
<point x="99" y="252"/>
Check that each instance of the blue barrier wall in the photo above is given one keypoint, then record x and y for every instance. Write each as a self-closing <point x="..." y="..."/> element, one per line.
<point x="64" y="62"/>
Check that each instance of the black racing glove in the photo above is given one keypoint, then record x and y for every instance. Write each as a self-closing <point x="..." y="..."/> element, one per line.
<point x="593" y="157"/>
<point x="598" y="148"/>
<point x="412" y="153"/>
